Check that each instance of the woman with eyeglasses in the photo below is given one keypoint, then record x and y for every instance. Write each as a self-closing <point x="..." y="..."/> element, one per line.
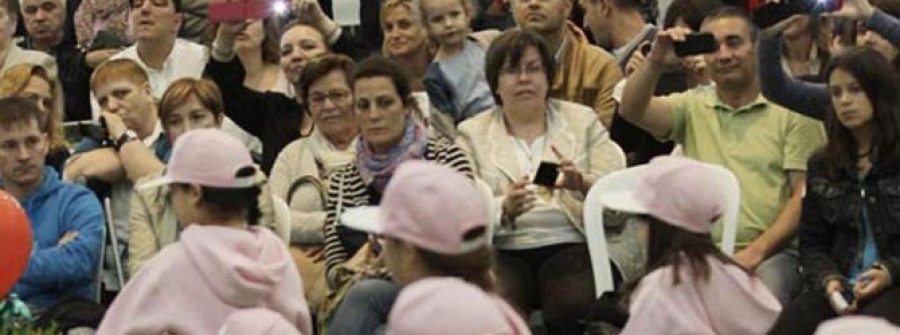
<point x="35" y="83"/>
<point x="390" y="134"/>
<point x="542" y="257"/>
<point x="301" y="171"/>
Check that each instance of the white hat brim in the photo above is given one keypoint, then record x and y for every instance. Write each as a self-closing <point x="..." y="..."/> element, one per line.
<point x="623" y="201"/>
<point x="154" y="183"/>
<point x="366" y="218"/>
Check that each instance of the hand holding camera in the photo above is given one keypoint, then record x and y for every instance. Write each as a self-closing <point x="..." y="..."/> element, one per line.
<point x="860" y="10"/>
<point x="675" y="43"/>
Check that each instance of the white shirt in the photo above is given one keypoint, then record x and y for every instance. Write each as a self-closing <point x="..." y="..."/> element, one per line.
<point x="187" y="60"/>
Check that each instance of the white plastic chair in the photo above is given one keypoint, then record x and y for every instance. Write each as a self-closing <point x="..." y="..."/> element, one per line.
<point x="98" y="272"/>
<point x="114" y="244"/>
<point x="493" y="214"/>
<point x="283" y="218"/>
<point x="628" y="179"/>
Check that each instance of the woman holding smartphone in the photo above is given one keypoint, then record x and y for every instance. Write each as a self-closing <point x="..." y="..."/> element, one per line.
<point x="541" y="244"/>
<point x="850" y="226"/>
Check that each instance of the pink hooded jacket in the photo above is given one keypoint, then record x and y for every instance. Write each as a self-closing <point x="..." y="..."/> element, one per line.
<point x="193" y="285"/>
<point x="731" y="302"/>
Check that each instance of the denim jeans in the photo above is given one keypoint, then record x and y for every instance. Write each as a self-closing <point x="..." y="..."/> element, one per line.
<point x="365" y="308"/>
<point x="780" y="272"/>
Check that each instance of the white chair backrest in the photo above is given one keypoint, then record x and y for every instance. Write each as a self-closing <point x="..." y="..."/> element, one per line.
<point x="493" y="214"/>
<point x="627" y="180"/>
<point x="283" y="218"/>
<point x="101" y="260"/>
<point x="593" y="224"/>
<point x="732" y="190"/>
<point x="114" y="243"/>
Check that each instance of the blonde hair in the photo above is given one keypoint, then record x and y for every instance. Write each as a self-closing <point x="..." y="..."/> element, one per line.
<point x="415" y="10"/>
<point x="119" y="69"/>
<point x="467" y="5"/>
<point x="16" y="78"/>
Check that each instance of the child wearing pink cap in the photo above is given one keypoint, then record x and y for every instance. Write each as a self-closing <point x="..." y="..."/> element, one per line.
<point x="434" y="225"/>
<point x="690" y="286"/>
<point x="222" y="262"/>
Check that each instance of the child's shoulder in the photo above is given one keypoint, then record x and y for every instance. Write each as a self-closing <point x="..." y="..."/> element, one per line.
<point x="484" y="38"/>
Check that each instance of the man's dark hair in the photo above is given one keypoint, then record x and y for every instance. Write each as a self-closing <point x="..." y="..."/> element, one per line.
<point x="510" y="47"/>
<point x="692" y="12"/>
<point x="732" y="12"/>
<point x="18" y="111"/>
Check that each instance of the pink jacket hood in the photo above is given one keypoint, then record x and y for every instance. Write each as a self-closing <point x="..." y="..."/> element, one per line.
<point x="194" y="285"/>
<point x="730" y="302"/>
<point x="241" y="269"/>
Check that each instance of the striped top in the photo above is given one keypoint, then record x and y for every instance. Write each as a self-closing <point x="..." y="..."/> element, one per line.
<point x="346" y="187"/>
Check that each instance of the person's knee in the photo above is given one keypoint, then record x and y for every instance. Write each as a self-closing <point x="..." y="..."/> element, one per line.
<point x="566" y="286"/>
<point x="780" y="273"/>
<point x="371" y="291"/>
<point x="515" y="283"/>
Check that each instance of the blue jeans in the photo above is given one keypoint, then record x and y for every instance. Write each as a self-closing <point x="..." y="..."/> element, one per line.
<point x="365" y="308"/>
<point x="780" y="272"/>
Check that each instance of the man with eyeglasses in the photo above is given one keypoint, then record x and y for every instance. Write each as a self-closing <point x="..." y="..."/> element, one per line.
<point x="66" y="219"/>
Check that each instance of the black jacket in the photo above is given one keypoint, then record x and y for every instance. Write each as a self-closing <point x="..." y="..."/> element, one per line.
<point x="273" y="117"/>
<point x="831" y="229"/>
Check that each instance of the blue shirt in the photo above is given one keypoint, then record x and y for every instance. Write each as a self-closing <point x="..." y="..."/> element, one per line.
<point x="869" y="250"/>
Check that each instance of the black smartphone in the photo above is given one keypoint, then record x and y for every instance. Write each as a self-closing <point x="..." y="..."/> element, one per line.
<point x="772" y="13"/>
<point x="696" y="44"/>
<point x="546" y="174"/>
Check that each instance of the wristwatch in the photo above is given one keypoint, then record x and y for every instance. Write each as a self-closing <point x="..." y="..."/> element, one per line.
<point x="128" y="136"/>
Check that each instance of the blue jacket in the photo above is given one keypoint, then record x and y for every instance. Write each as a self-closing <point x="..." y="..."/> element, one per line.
<point x="55" y="272"/>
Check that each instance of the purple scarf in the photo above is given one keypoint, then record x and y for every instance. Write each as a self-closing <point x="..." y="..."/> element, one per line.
<point x="378" y="168"/>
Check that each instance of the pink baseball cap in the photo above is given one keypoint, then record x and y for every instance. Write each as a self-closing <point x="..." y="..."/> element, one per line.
<point x="207" y="157"/>
<point x="428" y="205"/>
<point x="676" y="190"/>
<point x="447" y="305"/>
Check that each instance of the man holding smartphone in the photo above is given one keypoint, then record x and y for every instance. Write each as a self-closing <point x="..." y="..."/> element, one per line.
<point x="732" y="124"/>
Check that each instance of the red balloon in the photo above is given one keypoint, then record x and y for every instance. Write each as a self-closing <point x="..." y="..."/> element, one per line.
<point x="15" y="242"/>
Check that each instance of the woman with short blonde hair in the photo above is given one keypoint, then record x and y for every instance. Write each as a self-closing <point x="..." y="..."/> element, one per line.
<point x="35" y="82"/>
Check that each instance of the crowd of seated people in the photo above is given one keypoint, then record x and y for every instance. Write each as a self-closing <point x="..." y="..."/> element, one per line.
<point x="428" y="166"/>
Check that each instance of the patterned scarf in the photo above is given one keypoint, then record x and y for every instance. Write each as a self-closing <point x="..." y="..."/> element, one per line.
<point x="377" y="169"/>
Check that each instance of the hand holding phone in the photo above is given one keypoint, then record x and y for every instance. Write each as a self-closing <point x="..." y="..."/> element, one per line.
<point x="519" y="198"/>
<point x="696" y="44"/>
<point x="546" y="174"/>
<point x="841" y="301"/>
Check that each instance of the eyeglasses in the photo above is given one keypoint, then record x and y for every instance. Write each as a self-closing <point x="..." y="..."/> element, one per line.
<point x="336" y="96"/>
<point x="530" y="69"/>
<point x="31" y="144"/>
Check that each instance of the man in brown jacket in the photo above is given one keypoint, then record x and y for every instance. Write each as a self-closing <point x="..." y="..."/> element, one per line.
<point x="585" y="73"/>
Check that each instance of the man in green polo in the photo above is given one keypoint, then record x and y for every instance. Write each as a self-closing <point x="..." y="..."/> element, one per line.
<point x="733" y="125"/>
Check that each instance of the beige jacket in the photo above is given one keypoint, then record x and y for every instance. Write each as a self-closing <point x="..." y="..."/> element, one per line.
<point x="152" y="224"/>
<point x="586" y="75"/>
<point x="300" y="161"/>
<point x="572" y="128"/>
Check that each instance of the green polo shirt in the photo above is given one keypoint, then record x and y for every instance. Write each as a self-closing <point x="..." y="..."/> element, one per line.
<point x="759" y="143"/>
